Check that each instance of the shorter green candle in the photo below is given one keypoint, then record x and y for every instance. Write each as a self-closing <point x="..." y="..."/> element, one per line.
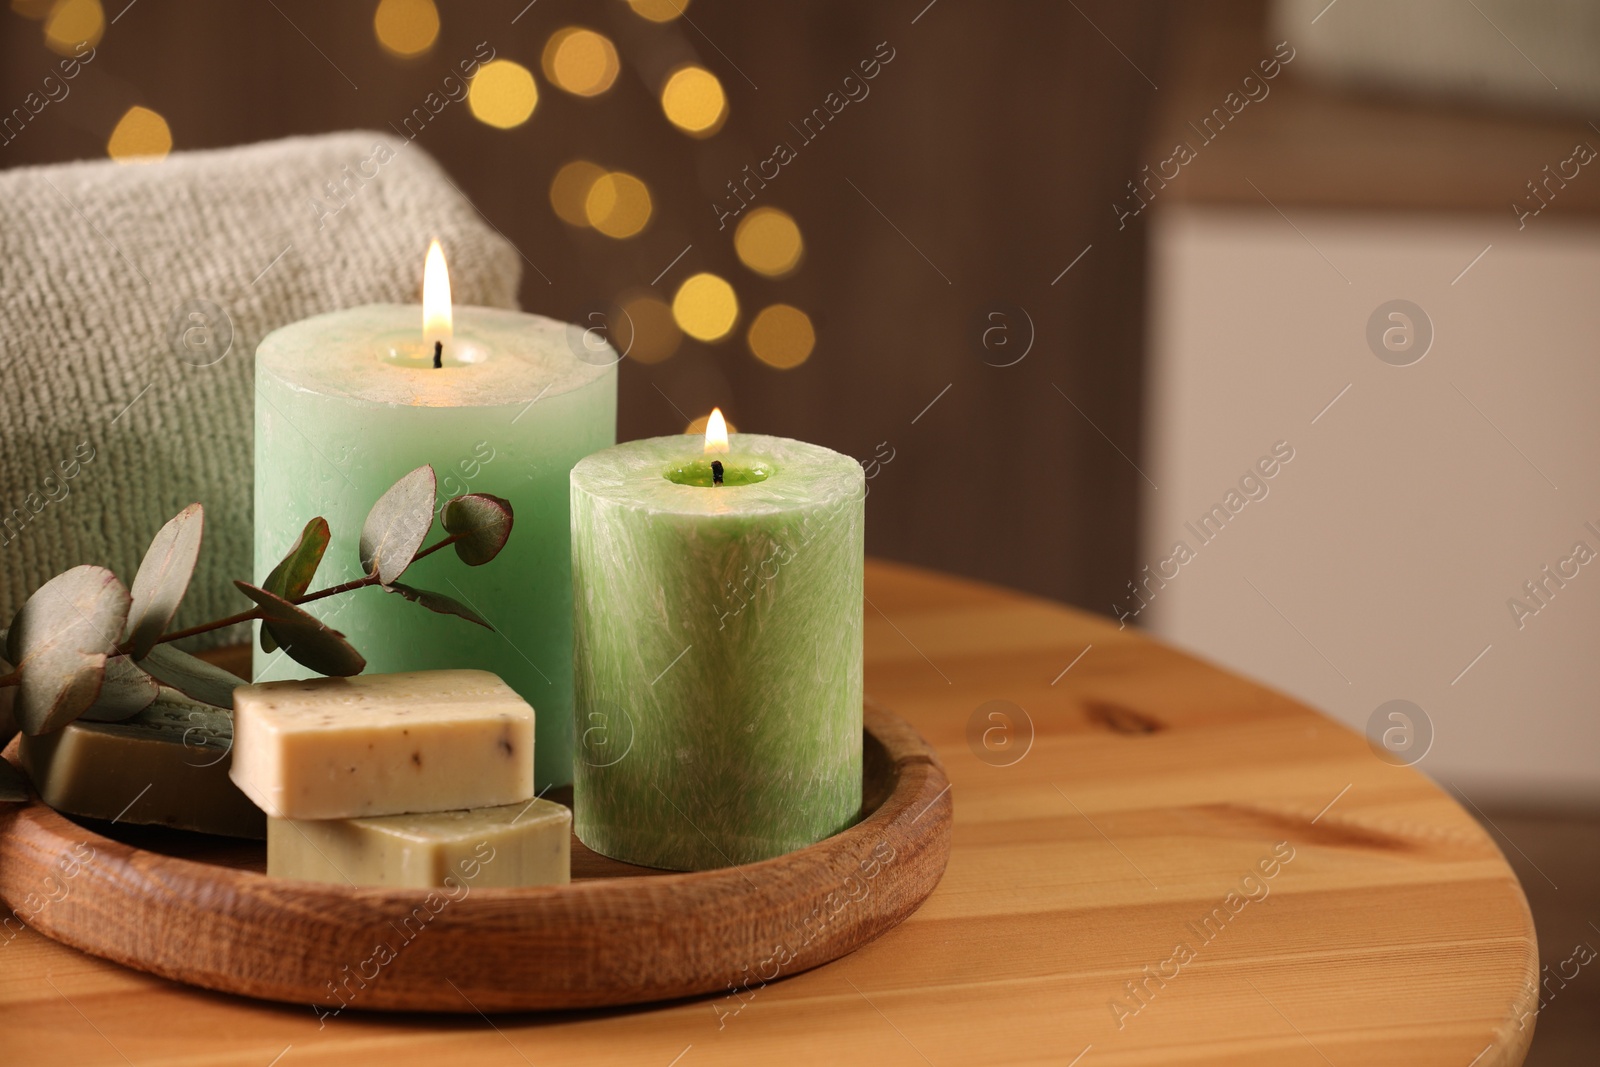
<point x="717" y="632"/>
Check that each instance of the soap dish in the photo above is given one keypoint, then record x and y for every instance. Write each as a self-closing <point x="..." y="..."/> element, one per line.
<point x="201" y="910"/>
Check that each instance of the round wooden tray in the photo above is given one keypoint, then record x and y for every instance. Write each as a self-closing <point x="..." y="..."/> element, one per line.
<point x="201" y="910"/>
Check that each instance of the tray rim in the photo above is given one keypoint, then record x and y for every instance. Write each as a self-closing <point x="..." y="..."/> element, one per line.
<point x="915" y="816"/>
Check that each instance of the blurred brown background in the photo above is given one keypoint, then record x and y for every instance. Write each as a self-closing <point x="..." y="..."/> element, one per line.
<point x="929" y="201"/>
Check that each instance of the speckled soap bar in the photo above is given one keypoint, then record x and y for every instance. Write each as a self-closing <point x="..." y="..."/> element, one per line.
<point x="511" y="845"/>
<point x="166" y="766"/>
<point x="382" y="744"/>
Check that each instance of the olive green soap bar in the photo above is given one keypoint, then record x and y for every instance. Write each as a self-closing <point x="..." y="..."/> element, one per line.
<point x="166" y="766"/>
<point x="382" y="744"/>
<point x="512" y="845"/>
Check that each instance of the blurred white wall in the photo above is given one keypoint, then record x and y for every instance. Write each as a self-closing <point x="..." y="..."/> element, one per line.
<point x="1445" y="48"/>
<point x="1381" y="560"/>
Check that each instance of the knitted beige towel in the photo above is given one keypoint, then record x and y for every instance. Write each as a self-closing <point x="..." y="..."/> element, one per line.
<point x="134" y="296"/>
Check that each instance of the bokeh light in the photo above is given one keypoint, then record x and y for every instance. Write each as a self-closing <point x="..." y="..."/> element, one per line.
<point x="71" y="23"/>
<point x="503" y="94"/>
<point x="141" y="136"/>
<point x="580" y="61"/>
<point x="768" y="242"/>
<point x="658" y="10"/>
<point x="698" y="426"/>
<point x="705" y="307"/>
<point x="406" y="27"/>
<point x="781" y="336"/>
<point x="693" y="100"/>
<point x="656" y="336"/>
<point x="569" y="190"/>
<point x="32" y="9"/>
<point x="618" y="204"/>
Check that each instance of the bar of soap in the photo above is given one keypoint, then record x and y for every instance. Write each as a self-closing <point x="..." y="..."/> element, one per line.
<point x="166" y="766"/>
<point x="382" y="744"/>
<point x="511" y="845"/>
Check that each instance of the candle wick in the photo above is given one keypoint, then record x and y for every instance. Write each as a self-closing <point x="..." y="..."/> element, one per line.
<point x="716" y="472"/>
<point x="438" y="355"/>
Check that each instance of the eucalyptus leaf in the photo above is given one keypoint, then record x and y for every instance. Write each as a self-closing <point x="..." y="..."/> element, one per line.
<point x="193" y="677"/>
<point x="126" y="692"/>
<point x="163" y="578"/>
<point x="482" y="522"/>
<point x="59" y="640"/>
<point x="8" y="696"/>
<point x="292" y="576"/>
<point x="13" y="786"/>
<point x="307" y="640"/>
<point x="439" y="602"/>
<point x="397" y="524"/>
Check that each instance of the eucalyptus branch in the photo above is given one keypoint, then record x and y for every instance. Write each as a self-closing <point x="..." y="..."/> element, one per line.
<point x="256" y="613"/>
<point x="58" y="636"/>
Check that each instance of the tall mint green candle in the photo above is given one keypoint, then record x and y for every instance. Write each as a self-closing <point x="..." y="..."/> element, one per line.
<point x="718" y="649"/>
<point x="348" y="402"/>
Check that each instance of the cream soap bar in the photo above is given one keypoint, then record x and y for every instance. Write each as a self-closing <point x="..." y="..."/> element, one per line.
<point x="166" y="766"/>
<point x="511" y="845"/>
<point x="382" y="744"/>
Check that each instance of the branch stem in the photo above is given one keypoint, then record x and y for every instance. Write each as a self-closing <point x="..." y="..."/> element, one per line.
<point x="335" y="590"/>
<point x="178" y="635"/>
<point x="255" y="613"/>
<point x="431" y="549"/>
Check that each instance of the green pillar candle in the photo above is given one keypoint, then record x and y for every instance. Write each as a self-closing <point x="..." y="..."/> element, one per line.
<point x="718" y="649"/>
<point x="348" y="402"/>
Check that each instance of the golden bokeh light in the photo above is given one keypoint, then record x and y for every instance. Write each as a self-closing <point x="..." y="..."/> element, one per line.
<point x="406" y="28"/>
<point x="569" y="190"/>
<point x="581" y="61"/>
<point x="503" y="94"/>
<point x="705" y="307"/>
<point x="72" y="23"/>
<point x="32" y="9"/>
<point x="656" y="336"/>
<point x="658" y="10"/>
<point x="141" y="136"/>
<point x="698" y="426"/>
<point x="782" y="336"/>
<point x="618" y="204"/>
<point x="693" y="100"/>
<point x="768" y="242"/>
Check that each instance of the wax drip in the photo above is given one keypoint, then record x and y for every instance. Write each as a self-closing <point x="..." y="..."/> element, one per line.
<point x="716" y="472"/>
<point x="438" y="355"/>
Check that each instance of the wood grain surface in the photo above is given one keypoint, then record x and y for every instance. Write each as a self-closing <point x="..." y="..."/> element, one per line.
<point x="1153" y="785"/>
<point x="203" y="911"/>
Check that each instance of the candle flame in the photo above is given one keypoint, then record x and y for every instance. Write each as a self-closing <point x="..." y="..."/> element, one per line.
<point x="716" y="432"/>
<point x="436" y="312"/>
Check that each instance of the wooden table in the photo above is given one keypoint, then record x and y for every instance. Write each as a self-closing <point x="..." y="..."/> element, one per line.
<point x="1390" y="930"/>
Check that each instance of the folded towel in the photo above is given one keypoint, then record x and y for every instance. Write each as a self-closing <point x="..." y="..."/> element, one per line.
<point x="134" y="297"/>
